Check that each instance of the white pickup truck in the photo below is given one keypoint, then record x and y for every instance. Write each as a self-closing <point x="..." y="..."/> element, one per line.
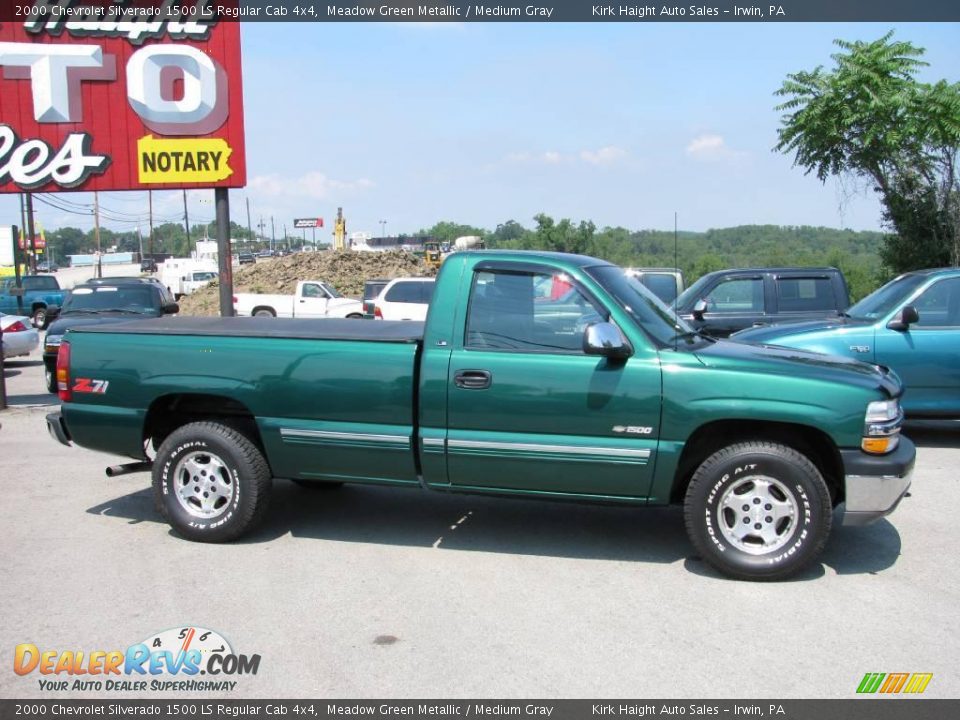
<point x="313" y="299"/>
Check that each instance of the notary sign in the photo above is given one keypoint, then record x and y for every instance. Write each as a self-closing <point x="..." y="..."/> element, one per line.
<point x="132" y="95"/>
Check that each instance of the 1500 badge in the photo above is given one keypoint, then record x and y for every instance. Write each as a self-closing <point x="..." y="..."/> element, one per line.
<point x="633" y="429"/>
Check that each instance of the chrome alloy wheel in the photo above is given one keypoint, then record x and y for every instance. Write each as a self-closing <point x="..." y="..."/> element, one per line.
<point x="757" y="514"/>
<point x="203" y="485"/>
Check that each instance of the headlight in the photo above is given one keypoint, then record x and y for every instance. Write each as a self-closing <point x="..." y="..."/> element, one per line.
<point x="883" y="411"/>
<point x="881" y="427"/>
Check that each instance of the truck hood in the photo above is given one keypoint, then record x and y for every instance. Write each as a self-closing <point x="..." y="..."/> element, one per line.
<point x="775" y="360"/>
<point x="61" y="325"/>
<point x="772" y="333"/>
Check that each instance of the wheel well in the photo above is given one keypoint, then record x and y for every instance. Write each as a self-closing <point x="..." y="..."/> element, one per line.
<point x="263" y="307"/>
<point x="36" y="305"/>
<point x="169" y="412"/>
<point x="812" y="443"/>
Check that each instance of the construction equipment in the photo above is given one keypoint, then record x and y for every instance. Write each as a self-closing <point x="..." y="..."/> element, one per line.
<point x="433" y="255"/>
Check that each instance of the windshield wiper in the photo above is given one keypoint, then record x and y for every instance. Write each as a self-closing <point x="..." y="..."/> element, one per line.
<point x="122" y="310"/>
<point x="691" y="334"/>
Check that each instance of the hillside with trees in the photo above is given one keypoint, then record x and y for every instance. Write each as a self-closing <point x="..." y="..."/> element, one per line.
<point x="857" y="254"/>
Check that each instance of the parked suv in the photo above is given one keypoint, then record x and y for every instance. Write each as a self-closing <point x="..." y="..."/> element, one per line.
<point x="405" y="299"/>
<point x="725" y="301"/>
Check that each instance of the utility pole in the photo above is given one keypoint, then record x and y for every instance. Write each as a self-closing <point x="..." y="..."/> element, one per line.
<point x="186" y="219"/>
<point x="150" y="201"/>
<point x="249" y="228"/>
<point x="273" y="234"/>
<point x="21" y="238"/>
<point x="261" y="226"/>
<point x="30" y="233"/>
<point x="96" y="230"/>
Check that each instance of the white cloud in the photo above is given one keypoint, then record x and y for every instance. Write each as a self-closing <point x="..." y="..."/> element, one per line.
<point x="604" y="156"/>
<point x="552" y="157"/>
<point x="314" y="185"/>
<point x="708" y="146"/>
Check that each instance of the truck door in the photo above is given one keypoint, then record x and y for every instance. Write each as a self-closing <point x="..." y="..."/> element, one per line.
<point x="528" y="410"/>
<point x="312" y="302"/>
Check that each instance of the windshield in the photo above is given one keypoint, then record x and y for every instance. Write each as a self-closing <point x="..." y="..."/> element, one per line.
<point x="648" y="311"/>
<point x="689" y="296"/>
<point x="881" y="302"/>
<point x="131" y="298"/>
<point x="330" y="289"/>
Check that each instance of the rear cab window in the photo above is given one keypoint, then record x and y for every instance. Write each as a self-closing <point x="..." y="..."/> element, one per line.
<point x="804" y="294"/>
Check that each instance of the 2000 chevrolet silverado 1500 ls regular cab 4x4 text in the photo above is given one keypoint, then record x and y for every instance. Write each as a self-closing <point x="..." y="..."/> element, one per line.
<point x="599" y="395"/>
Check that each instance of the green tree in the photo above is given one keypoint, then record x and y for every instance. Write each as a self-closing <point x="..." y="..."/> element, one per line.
<point x="870" y="118"/>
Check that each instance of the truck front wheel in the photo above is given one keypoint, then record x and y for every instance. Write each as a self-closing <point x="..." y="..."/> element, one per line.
<point x="758" y="511"/>
<point x="211" y="483"/>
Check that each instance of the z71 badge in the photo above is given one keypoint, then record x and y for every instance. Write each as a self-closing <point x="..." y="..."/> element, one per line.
<point x="87" y="385"/>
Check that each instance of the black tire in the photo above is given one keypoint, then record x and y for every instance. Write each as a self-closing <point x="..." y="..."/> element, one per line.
<point x="39" y="317"/>
<point x="355" y="316"/>
<point x="780" y="537"/>
<point x="316" y="484"/>
<point x="264" y="312"/>
<point x="237" y="468"/>
<point x="50" y="378"/>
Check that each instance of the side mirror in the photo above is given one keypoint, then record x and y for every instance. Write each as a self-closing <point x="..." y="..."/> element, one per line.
<point x="53" y="311"/>
<point x="699" y="309"/>
<point x="902" y="321"/>
<point x="604" y="339"/>
<point x="170" y="308"/>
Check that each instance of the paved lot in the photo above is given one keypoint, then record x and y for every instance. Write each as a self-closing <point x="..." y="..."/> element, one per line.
<point x="367" y="592"/>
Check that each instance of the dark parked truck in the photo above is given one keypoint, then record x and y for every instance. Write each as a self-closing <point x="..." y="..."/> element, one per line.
<point x="599" y="395"/>
<point x="726" y="301"/>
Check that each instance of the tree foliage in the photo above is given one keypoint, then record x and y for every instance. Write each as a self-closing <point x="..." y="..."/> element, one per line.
<point x="869" y="117"/>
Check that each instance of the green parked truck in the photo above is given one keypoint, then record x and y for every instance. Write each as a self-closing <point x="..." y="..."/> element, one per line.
<point x="596" y="394"/>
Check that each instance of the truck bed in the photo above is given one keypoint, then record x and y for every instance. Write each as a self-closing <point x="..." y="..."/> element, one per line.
<point x="292" y="328"/>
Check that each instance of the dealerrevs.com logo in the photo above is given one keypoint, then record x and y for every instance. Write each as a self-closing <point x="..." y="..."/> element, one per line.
<point x="175" y="660"/>
<point x="894" y="683"/>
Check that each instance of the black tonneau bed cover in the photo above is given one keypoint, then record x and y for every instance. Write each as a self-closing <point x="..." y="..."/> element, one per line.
<point x="317" y="329"/>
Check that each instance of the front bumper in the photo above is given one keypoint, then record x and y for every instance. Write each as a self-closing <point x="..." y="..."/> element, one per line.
<point x="58" y="429"/>
<point x="875" y="484"/>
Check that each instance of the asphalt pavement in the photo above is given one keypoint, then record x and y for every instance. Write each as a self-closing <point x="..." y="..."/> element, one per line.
<point x="373" y="592"/>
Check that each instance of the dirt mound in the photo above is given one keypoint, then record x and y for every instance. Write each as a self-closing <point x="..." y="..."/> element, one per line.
<point x="346" y="271"/>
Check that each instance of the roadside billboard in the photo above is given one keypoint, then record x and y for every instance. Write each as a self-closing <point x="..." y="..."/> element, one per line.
<point x="97" y="104"/>
<point x="307" y="222"/>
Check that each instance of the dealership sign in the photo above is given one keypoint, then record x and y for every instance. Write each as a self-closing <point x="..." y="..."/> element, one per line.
<point x="120" y="101"/>
<point x="307" y="222"/>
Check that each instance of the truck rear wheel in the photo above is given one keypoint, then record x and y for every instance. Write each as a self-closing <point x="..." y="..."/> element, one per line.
<point x="264" y="312"/>
<point x="39" y="317"/>
<point x="210" y="482"/>
<point x="758" y="511"/>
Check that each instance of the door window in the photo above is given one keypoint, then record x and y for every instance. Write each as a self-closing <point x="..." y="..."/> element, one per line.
<point x="508" y="311"/>
<point x="939" y="304"/>
<point x="737" y="295"/>
<point x="313" y="291"/>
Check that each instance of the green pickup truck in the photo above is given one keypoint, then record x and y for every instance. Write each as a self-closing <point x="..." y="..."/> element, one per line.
<point x="598" y="394"/>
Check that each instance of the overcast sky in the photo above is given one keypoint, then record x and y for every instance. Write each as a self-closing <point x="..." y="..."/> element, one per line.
<point x="622" y="124"/>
